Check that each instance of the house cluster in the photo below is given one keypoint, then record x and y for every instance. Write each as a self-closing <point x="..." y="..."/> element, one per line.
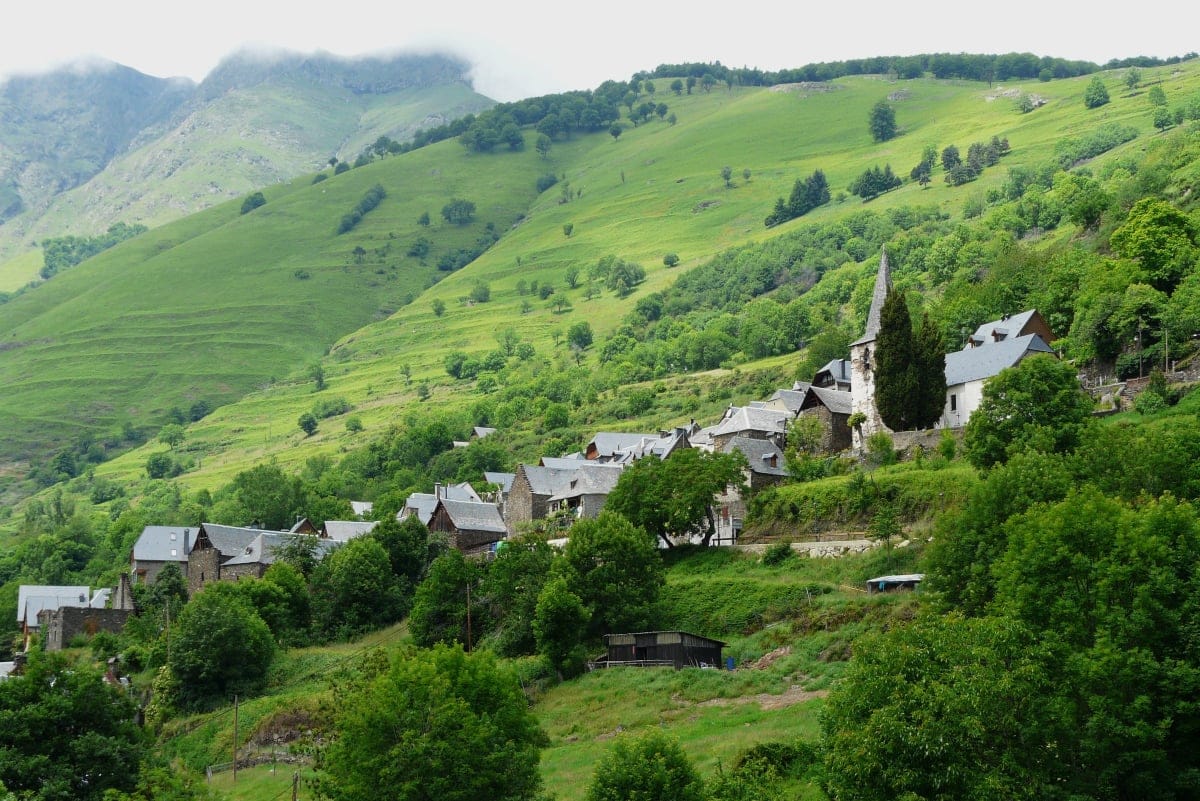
<point x="60" y="613"/>
<point x="846" y="387"/>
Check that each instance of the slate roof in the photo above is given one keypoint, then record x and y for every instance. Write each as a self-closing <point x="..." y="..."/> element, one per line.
<point x="156" y="543"/>
<point x="361" y="508"/>
<point x="588" y="481"/>
<point x="838" y="371"/>
<point x="608" y="443"/>
<point x="261" y="550"/>
<point x="502" y="480"/>
<point x="883" y="282"/>
<point x="758" y="453"/>
<point x="976" y="364"/>
<point x="423" y="503"/>
<point x="746" y="418"/>
<point x="789" y="398"/>
<point x="33" y="598"/>
<point x="545" y="480"/>
<point x="661" y="446"/>
<point x="835" y="400"/>
<point x="474" y="516"/>
<point x="562" y="462"/>
<point x="479" y="432"/>
<point x="1006" y="327"/>
<point x="344" y="530"/>
<point x="231" y="540"/>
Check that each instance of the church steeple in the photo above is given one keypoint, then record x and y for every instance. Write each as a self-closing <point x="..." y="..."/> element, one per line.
<point x="862" y="374"/>
<point x="883" y="284"/>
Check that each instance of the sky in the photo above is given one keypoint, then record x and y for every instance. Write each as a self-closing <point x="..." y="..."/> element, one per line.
<point x="522" y="48"/>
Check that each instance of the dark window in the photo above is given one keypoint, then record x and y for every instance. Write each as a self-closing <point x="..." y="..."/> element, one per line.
<point x="953" y="403"/>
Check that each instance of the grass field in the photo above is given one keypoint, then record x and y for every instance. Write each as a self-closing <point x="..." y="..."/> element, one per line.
<point x="236" y="325"/>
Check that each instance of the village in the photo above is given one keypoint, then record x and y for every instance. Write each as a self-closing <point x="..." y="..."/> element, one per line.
<point x="560" y="489"/>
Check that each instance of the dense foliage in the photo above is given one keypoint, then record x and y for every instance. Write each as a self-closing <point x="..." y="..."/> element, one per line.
<point x="61" y="252"/>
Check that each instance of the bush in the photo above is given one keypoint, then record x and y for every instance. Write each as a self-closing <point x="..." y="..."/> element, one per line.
<point x="546" y="181"/>
<point x="881" y="450"/>
<point x="252" y="202"/>
<point x="777" y="554"/>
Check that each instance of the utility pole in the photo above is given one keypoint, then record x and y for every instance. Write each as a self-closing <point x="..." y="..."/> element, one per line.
<point x="468" y="617"/>
<point x="235" y="735"/>
<point x="295" y="785"/>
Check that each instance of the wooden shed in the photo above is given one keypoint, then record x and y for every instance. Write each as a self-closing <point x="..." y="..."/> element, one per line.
<point x="678" y="649"/>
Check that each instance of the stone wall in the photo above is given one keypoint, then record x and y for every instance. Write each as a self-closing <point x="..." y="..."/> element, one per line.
<point x="204" y="566"/>
<point x="60" y="626"/>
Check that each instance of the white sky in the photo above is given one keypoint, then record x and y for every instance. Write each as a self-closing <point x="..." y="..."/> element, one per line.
<point x="528" y="47"/>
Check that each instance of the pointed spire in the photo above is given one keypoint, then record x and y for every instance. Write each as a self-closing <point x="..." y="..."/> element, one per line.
<point x="883" y="284"/>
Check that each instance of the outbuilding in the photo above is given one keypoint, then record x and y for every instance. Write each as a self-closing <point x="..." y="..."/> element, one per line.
<point x="677" y="649"/>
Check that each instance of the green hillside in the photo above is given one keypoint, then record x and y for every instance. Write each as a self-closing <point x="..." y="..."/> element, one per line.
<point x="672" y="200"/>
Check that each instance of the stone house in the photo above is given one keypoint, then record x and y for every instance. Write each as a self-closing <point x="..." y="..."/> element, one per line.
<point x="1011" y="326"/>
<point x="60" y="626"/>
<point x="229" y="553"/>
<point x="584" y="493"/>
<point x="753" y="422"/>
<point x="834" y="375"/>
<point x="532" y="488"/>
<point x="764" y="468"/>
<point x="159" y="546"/>
<point x="422" y="504"/>
<point x="833" y="409"/>
<point x="34" y="600"/>
<point x="472" y="527"/>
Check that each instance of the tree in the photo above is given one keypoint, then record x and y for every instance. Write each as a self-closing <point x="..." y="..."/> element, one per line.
<point x="510" y="591"/>
<point x="950" y="158"/>
<point x="542" y="145"/>
<point x="946" y="707"/>
<point x="930" y="359"/>
<point x="439" y="613"/>
<point x="252" y="202"/>
<point x="746" y="174"/>
<point x="568" y="229"/>
<point x="558" y="626"/>
<point x="171" y="434"/>
<point x="1157" y="96"/>
<point x="439" y="724"/>
<point x="219" y="647"/>
<point x="423" y="220"/>
<point x="650" y="767"/>
<point x="727" y="176"/>
<point x="317" y="373"/>
<point x="897" y="386"/>
<point x="615" y="569"/>
<point x="690" y="83"/>
<point x="269" y="497"/>
<point x="1039" y="402"/>
<point x="1095" y="95"/>
<point x="615" y="131"/>
<point x="671" y="259"/>
<point x="66" y="734"/>
<point x="355" y="589"/>
<point x="675" y="496"/>
<point x="458" y="211"/>
<point x="579" y="335"/>
<point x="1133" y="77"/>
<point x="160" y="465"/>
<point x="572" y="276"/>
<point x="1163" y="119"/>
<point x="307" y="423"/>
<point x="439" y="307"/>
<point x="1162" y="239"/>
<point x="882" y="121"/>
<point x="677" y="86"/>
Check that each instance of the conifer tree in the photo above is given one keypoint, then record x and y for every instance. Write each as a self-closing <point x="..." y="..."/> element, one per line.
<point x="931" y="373"/>
<point x="896" y="386"/>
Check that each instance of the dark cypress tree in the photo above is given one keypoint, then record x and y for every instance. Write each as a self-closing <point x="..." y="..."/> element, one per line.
<point x="931" y="373"/>
<point x="896" y="386"/>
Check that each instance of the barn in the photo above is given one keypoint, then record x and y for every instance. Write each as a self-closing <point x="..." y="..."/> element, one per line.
<point x="678" y="649"/>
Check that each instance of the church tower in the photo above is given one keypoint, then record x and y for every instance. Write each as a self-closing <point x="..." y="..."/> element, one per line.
<point x="862" y="355"/>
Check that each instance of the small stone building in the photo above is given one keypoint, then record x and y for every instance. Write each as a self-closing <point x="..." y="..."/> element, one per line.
<point x="472" y="528"/>
<point x="585" y="492"/>
<point x="60" y="626"/>
<point x="833" y="409"/>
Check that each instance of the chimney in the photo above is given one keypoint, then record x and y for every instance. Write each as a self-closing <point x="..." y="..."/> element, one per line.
<point x="187" y="544"/>
<point x="438" y="491"/>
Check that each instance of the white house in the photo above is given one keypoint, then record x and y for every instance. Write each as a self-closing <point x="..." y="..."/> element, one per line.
<point x="967" y="370"/>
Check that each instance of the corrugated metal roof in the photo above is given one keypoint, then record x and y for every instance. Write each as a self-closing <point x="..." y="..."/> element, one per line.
<point x="977" y="364"/>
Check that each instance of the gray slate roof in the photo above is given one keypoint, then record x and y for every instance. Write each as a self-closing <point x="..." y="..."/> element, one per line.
<point x="545" y="480"/>
<point x="609" y="443"/>
<point x="502" y="480"/>
<point x="883" y="282"/>
<point x="361" y="508"/>
<point x="261" y="550"/>
<point x="479" y="432"/>
<point x="588" y="481"/>
<point x="838" y="370"/>
<point x="165" y="543"/>
<point x="33" y="598"/>
<point x="758" y="453"/>
<point x="747" y="418"/>
<point x="790" y="398"/>
<point x="562" y="462"/>
<point x="423" y="503"/>
<point x="474" y="516"/>
<point x="232" y="540"/>
<point x="660" y="446"/>
<point x="1006" y="327"/>
<point x="835" y="400"/>
<point x="977" y="364"/>
<point x="344" y="530"/>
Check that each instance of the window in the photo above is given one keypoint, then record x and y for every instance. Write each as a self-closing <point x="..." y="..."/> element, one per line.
<point x="953" y="403"/>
